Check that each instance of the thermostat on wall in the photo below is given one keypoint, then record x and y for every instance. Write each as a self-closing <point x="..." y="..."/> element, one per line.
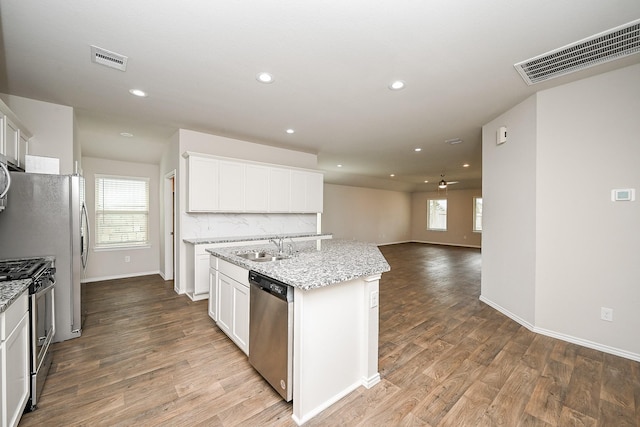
<point x="624" y="195"/>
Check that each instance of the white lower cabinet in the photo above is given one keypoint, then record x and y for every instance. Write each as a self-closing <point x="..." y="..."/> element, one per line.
<point x="213" y="293"/>
<point x="233" y="303"/>
<point x="14" y="356"/>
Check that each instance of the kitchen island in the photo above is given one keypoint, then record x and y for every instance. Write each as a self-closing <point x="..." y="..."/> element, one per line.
<point x="335" y="337"/>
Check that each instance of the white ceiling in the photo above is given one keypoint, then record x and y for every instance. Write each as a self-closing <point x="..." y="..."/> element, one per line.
<point x="332" y="61"/>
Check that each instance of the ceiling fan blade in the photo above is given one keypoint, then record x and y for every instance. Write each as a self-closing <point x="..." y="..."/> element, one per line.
<point x="452" y="182"/>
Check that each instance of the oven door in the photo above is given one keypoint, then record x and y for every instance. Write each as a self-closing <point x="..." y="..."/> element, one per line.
<point x="43" y="325"/>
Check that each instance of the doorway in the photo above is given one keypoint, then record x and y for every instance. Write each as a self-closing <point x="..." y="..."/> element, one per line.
<point x="169" y="225"/>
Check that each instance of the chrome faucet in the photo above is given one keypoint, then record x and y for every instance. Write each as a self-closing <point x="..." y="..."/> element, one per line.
<point x="279" y="242"/>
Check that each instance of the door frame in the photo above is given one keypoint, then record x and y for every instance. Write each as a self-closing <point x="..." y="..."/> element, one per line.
<point x="169" y="225"/>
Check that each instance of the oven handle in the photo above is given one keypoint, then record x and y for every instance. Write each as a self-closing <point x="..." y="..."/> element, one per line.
<point x="6" y="172"/>
<point x="45" y="290"/>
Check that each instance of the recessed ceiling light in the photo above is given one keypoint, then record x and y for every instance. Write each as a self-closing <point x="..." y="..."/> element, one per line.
<point x="426" y="181"/>
<point x="290" y="131"/>
<point x="417" y="149"/>
<point x="392" y="175"/>
<point x="138" y="92"/>
<point x="466" y="165"/>
<point x="264" y="78"/>
<point x="339" y="166"/>
<point x="126" y="134"/>
<point x="453" y="141"/>
<point x="397" y="85"/>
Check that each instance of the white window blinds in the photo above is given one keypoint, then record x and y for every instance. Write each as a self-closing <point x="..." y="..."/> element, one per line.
<point x="122" y="211"/>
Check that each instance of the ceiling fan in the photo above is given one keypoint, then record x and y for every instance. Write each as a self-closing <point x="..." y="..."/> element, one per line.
<point x="443" y="184"/>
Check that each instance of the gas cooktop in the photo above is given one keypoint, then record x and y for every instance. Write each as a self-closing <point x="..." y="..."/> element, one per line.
<point x="17" y="269"/>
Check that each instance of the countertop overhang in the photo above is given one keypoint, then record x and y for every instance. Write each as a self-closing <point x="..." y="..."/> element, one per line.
<point x="337" y="261"/>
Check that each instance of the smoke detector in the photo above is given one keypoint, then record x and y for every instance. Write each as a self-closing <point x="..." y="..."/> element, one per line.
<point x="607" y="46"/>
<point x="109" y="59"/>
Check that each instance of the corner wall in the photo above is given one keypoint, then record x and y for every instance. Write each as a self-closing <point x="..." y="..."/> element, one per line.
<point x="365" y="214"/>
<point x="556" y="248"/>
<point x="459" y="218"/>
<point x="110" y="264"/>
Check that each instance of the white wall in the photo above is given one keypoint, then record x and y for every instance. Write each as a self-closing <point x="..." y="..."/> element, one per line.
<point x="459" y="218"/>
<point x="555" y="247"/>
<point x="365" y="214"/>
<point x="52" y="126"/>
<point x="509" y="212"/>
<point x="109" y="264"/>
<point x="587" y="245"/>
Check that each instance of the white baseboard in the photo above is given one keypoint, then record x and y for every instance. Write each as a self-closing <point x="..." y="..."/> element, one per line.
<point x="446" y="244"/>
<point x="394" y="243"/>
<point x="564" y="337"/>
<point x="119" y="276"/>
<point x="306" y="417"/>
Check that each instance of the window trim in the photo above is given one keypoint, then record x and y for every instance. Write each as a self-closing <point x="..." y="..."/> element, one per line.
<point x="446" y="225"/>
<point x="474" y="225"/>
<point x="97" y="247"/>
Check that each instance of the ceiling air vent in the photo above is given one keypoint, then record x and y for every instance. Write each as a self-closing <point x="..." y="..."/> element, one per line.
<point x="110" y="59"/>
<point x="604" y="47"/>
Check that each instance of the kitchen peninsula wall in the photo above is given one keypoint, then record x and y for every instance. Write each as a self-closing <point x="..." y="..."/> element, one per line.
<point x="199" y="225"/>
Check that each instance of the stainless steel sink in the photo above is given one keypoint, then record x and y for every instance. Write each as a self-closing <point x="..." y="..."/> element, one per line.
<point x="261" y="256"/>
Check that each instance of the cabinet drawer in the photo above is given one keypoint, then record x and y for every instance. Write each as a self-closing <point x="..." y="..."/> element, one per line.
<point x="213" y="262"/>
<point x="13" y="315"/>
<point x="233" y="271"/>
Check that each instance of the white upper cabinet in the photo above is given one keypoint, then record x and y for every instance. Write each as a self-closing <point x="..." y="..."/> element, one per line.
<point x="231" y="187"/>
<point x="202" y="182"/>
<point x="14" y="137"/>
<point x="217" y="184"/>
<point x="11" y="140"/>
<point x="279" y="190"/>
<point x="256" y="191"/>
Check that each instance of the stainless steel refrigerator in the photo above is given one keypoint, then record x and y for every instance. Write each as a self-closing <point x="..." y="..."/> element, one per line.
<point x="45" y="215"/>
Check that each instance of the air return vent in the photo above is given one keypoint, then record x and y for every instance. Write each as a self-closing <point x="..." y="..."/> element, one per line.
<point x="110" y="59"/>
<point x="604" y="47"/>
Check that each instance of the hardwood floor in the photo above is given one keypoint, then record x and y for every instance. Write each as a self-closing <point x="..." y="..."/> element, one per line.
<point x="150" y="357"/>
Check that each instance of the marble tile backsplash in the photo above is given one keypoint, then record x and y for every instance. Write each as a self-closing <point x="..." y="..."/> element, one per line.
<point x="245" y="224"/>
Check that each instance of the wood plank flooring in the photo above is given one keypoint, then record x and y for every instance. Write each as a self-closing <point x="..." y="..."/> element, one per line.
<point x="150" y="357"/>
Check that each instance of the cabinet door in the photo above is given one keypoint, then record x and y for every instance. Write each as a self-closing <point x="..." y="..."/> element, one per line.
<point x="11" y="140"/>
<point x="314" y="192"/>
<point x="2" y="139"/>
<point x="231" y="187"/>
<point x="279" y="190"/>
<point x="256" y="183"/>
<point x="213" y="294"/>
<point x="203" y="184"/>
<point x="298" y="191"/>
<point x="23" y="149"/>
<point x="240" y="330"/>
<point x="225" y="303"/>
<point x="201" y="285"/>
<point x="17" y="371"/>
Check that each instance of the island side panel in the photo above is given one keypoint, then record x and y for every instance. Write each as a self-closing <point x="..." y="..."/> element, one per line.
<point x="332" y="345"/>
<point x="371" y="329"/>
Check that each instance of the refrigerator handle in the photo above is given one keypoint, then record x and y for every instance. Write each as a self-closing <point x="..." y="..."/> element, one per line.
<point x="85" y="253"/>
<point x="6" y="172"/>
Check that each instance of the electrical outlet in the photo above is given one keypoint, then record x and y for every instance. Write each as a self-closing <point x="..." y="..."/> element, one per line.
<point x="374" y="299"/>
<point x="127" y="258"/>
<point x="606" y="314"/>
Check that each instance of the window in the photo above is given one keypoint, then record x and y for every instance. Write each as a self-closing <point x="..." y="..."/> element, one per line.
<point x="122" y="211"/>
<point x="477" y="214"/>
<point x="437" y="214"/>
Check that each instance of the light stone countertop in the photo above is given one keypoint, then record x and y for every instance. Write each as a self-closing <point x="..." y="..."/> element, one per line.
<point x="10" y="291"/>
<point x="208" y="240"/>
<point x="337" y="261"/>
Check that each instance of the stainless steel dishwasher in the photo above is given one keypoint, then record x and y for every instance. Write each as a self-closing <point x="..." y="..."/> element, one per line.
<point x="271" y="332"/>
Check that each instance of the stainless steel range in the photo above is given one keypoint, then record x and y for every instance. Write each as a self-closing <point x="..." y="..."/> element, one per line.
<point x="41" y="271"/>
